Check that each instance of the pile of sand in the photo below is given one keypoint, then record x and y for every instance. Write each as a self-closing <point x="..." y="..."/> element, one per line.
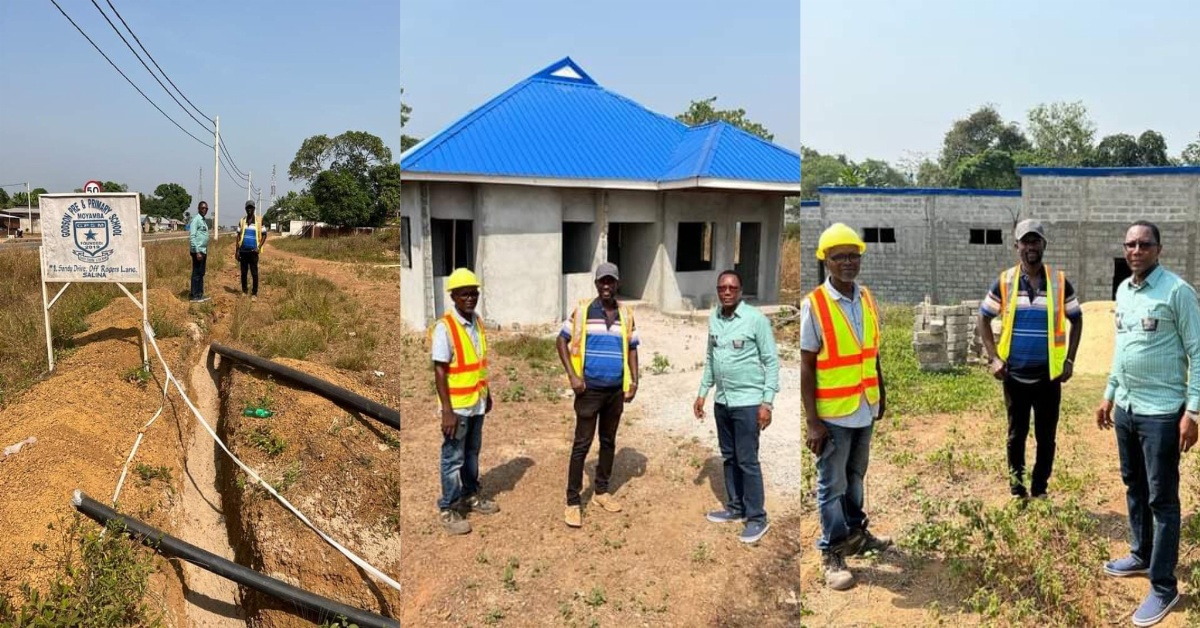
<point x="1096" y="346"/>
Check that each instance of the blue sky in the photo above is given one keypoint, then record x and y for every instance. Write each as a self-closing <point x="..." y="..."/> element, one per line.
<point x="275" y="72"/>
<point x="883" y="78"/>
<point x="456" y="55"/>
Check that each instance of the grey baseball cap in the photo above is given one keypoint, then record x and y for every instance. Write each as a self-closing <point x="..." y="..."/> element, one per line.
<point x="249" y="204"/>
<point x="607" y="269"/>
<point x="1028" y="226"/>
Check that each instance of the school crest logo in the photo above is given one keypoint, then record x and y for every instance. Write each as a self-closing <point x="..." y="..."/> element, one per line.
<point x="91" y="240"/>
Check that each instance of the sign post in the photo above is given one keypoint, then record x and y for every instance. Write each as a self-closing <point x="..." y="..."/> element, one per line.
<point x="92" y="237"/>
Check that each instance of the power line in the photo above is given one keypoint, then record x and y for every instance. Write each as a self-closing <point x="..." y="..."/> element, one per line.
<point x="131" y="83"/>
<point x="233" y="178"/>
<point x="225" y="151"/>
<point x="152" y="74"/>
<point x="139" y="43"/>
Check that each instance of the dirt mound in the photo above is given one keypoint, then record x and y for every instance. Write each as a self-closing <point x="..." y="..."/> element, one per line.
<point x="340" y="470"/>
<point x="1096" y="345"/>
<point x="86" y="416"/>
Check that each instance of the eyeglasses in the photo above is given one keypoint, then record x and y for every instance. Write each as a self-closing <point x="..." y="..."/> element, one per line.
<point x="1144" y="245"/>
<point x="728" y="288"/>
<point x="846" y="257"/>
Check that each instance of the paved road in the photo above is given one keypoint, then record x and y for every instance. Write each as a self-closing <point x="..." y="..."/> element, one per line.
<point x="150" y="238"/>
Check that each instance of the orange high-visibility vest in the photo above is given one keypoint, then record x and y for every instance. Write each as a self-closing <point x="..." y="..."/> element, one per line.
<point x="1056" y="320"/>
<point x="846" y="368"/>
<point x="578" y="344"/>
<point x="467" y="375"/>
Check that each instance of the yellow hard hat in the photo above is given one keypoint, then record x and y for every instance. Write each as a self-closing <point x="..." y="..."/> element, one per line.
<point x="839" y="234"/>
<point x="461" y="278"/>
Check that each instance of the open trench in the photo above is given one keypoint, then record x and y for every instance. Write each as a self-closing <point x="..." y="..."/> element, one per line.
<point x="212" y="601"/>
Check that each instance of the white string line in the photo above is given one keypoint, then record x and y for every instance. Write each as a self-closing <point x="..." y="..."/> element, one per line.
<point x="379" y="575"/>
<point x="138" y="442"/>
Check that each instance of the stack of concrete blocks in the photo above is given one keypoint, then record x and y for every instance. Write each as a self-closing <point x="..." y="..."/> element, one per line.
<point x="944" y="336"/>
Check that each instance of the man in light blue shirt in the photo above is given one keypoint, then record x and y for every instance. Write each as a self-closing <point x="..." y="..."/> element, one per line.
<point x="743" y="364"/>
<point x="198" y="237"/>
<point x="1154" y="385"/>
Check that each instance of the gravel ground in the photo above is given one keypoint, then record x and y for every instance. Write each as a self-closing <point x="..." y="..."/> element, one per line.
<point x="664" y="401"/>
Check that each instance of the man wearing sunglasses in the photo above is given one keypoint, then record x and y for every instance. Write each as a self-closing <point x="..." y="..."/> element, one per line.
<point x="1032" y="357"/>
<point x="1154" y="384"/>
<point x="743" y="365"/>
<point x="460" y="375"/>
<point x="841" y="386"/>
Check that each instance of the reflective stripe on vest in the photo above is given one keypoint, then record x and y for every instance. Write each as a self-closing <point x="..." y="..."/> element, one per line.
<point x="1056" y="320"/>
<point x="258" y="234"/>
<point x="578" y="344"/>
<point x="467" y="375"/>
<point x="846" y="369"/>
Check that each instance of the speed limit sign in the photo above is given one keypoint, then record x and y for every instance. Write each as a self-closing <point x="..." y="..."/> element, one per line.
<point x="93" y="187"/>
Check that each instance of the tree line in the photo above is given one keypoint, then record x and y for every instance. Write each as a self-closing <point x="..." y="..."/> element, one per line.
<point x="983" y="151"/>
<point x="170" y="200"/>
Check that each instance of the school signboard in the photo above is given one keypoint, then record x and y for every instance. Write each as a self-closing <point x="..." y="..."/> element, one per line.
<point x="91" y="237"/>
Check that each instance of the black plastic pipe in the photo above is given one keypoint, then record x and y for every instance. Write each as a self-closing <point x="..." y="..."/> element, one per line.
<point x="336" y="394"/>
<point x="168" y="545"/>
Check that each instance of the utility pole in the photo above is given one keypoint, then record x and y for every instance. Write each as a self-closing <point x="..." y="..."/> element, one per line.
<point x="217" y="180"/>
<point x="249" y="184"/>
<point x="200" y="187"/>
<point x="273" y="197"/>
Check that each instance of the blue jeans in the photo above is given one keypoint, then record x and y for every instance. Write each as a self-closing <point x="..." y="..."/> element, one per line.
<point x="737" y="433"/>
<point x="460" y="461"/>
<point x="1149" y="448"/>
<point x="841" y="468"/>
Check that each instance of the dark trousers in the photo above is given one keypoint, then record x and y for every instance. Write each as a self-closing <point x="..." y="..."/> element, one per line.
<point x="737" y="433"/>
<point x="1043" y="399"/>
<point x="1149" y="450"/>
<point x="249" y="261"/>
<point x="594" y="406"/>
<point x="198" y="266"/>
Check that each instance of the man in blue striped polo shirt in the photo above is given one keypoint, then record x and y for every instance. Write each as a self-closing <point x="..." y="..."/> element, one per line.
<point x="1154" y="383"/>
<point x="599" y="354"/>
<point x="1025" y="359"/>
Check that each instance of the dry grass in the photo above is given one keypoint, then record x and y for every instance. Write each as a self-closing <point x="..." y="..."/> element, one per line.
<point x="22" y="337"/>
<point x="790" y="289"/>
<point x="380" y="248"/>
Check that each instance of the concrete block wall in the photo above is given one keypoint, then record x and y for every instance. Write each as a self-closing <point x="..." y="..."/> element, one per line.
<point x="932" y="256"/>
<point x="1086" y="218"/>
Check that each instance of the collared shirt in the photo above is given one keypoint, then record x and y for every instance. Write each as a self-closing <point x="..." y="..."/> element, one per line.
<point x="603" y="357"/>
<point x="1156" y="364"/>
<point x="198" y="229"/>
<point x="1029" y="354"/>
<point x="742" y="360"/>
<point x="812" y="339"/>
<point x="443" y="351"/>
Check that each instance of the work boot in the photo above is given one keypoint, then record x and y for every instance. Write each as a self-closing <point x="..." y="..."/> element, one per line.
<point x="480" y="505"/>
<point x="868" y="542"/>
<point x="574" y="516"/>
<point x="837" y="576"/>
<point x="607" y="502"/>
<point x="454" y="522"/>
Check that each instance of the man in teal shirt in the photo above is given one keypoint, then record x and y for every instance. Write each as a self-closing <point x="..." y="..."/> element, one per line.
<point x="1154" y="385"/>
<point x="198" y="235"/>
<point x="744" y="366"/>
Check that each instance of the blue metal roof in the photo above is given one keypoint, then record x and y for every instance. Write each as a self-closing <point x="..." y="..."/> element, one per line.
<point x="560" y="124"/>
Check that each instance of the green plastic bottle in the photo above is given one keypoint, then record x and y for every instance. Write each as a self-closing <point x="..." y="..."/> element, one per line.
<point x="261" y="413"/>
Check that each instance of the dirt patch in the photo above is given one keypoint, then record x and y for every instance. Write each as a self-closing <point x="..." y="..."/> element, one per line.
<point x="658" y="562"/>
<point x="336" y="468"/>
<point x="86" y="417"/>
<point x="1096" y="345"/>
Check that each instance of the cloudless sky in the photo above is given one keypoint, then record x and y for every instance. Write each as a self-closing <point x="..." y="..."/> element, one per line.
<point x="275" y="72"/>
<point x="881" y="78"/>
<point x="455" y="55"/>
